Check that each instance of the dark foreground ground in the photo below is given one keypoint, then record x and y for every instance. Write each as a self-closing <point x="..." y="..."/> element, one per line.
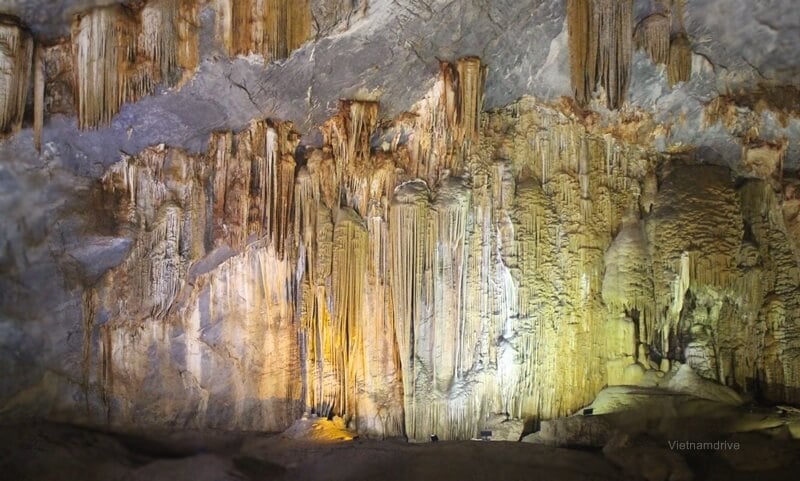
<point x="44" y="452"/>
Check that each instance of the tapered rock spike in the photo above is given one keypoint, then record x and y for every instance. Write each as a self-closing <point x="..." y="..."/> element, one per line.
<point x="601" y="37"/>
<point x="16" y="50"/>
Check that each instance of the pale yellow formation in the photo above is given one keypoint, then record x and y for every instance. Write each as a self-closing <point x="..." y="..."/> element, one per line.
<point x="271" y="28"/>
<point x="16" y="51"/>
<point x="629" y="297"/>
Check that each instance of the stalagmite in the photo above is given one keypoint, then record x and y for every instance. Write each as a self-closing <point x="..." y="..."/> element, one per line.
<point x="628" y="294"/>
<point x="680" y="59"/>
<point x="601" y="37"/>
<point x="16" y="50"/>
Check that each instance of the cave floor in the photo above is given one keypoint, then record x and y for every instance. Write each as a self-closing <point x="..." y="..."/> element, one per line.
<point x="45" y="451"/>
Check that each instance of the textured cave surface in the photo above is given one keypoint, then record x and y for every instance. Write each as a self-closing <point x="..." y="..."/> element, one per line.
<point x="413" y="217"/>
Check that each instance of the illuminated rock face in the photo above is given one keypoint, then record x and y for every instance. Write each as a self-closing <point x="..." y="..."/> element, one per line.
<point x="434" y="273"/>
<point x="509" y="262"/>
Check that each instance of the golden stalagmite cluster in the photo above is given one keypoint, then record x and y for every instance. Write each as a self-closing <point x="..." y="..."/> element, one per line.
<point x="16" y="51"/>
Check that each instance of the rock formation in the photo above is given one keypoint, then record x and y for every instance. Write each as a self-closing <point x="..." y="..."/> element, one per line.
<point x="420" y="270"/>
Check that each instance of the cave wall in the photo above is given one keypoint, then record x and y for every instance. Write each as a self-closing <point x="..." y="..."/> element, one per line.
<point x="420" y="265"/>
<point x="514" y="261"/>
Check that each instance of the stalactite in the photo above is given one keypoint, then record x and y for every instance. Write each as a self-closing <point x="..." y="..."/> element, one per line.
<point x="104" y="48"/>
<point x="16" y="50"/>
<point x="471" y="80"/>
<point x="653" y="35"/>
<point x="601" y="40"/>
<point x="254" y="183"/>
<point x="121" y="57"/>
<point x="157" y="42"/>
<point x="448" y="120"/>
<point x="348" y="135"/>
<point x="582" y="68"/>
<point x="349" y="366"/>
<point x="288" y="27"/>
<point x="350" y="254"/>
<point x="59" y="79"/>
<point x="188" y="36"/>
<point x="680" y="59"/>
<point x="89" y="313"/>
<point x="271" y="28"/>
<point x="613" y="23"/>
<point x="38" y="97"/>
<point x="451" y="209"/>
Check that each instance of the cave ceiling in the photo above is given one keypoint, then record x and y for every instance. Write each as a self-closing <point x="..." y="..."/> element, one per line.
<point x="389" y="50"/>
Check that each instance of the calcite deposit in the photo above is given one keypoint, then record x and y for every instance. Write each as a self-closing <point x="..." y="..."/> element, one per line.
<point x="441" y="265"/>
